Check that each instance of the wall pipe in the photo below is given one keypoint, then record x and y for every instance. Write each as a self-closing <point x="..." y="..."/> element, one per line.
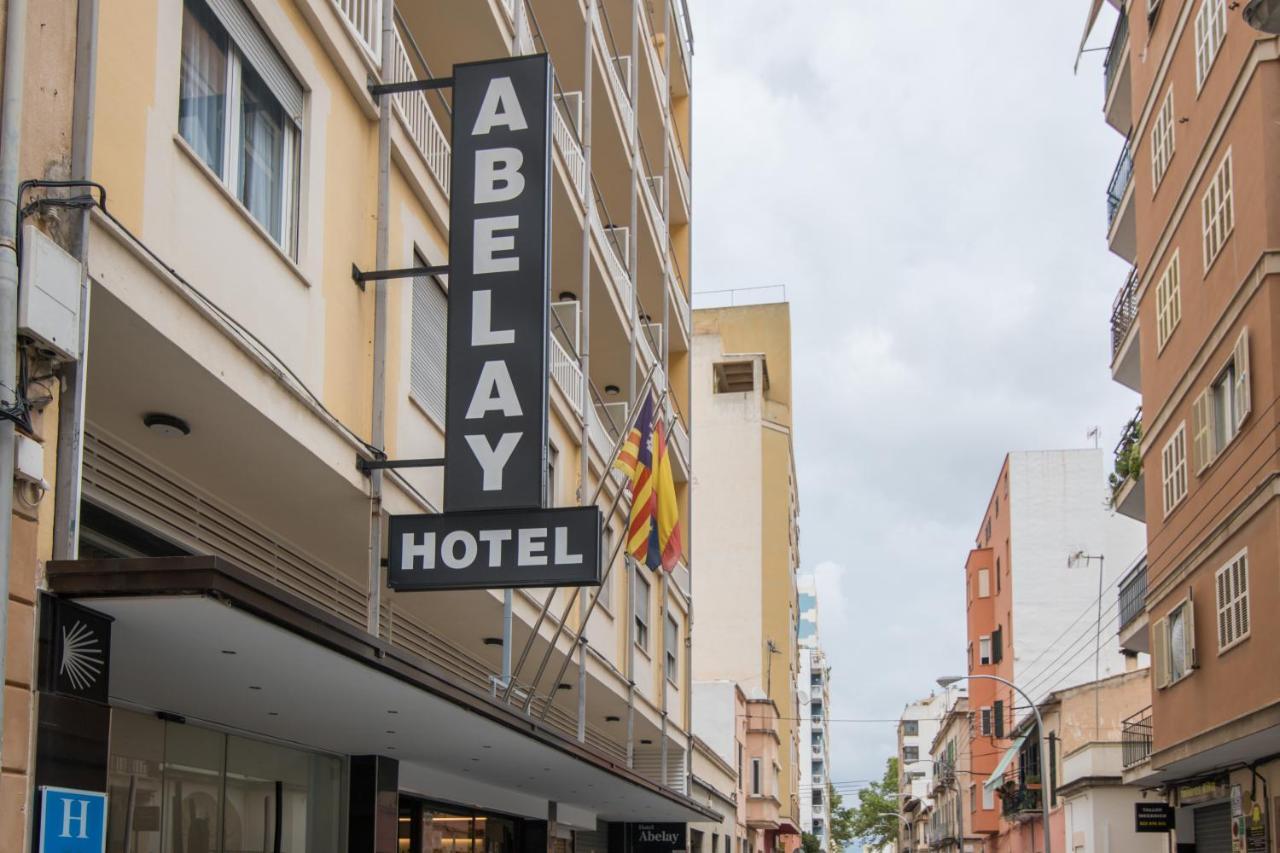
<point x="10" y="154"/>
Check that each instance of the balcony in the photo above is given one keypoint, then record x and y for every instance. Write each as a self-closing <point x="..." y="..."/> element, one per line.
<point x="1118" y="103"/>
<point x="1122" y="228"/>
<point x="1128" y="486"/>
<point x="1133" y="609"/>
<point x="1135" y="738"/>
<point x="1126" y="354"/>
<point x="1020" y="802"/>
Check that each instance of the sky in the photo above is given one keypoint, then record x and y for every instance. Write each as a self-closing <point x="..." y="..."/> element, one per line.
<point x="927" y="179"/>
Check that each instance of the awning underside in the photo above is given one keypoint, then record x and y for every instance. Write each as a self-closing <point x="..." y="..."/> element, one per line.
<point x="997" y="775"/>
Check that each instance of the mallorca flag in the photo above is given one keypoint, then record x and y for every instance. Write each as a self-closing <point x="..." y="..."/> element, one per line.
<point x="653" y="532"/>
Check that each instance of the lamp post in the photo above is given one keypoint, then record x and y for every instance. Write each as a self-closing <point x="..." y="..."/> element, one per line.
<point x="948" y="680"/>
<point x="1074" y="560"/>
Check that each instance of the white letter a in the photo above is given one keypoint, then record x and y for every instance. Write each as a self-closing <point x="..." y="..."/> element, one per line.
<point x="500" y="108"/>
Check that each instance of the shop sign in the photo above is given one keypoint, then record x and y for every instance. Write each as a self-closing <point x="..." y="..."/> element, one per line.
<point x="657" y="837"/>
<point x="1255" y="826"/>
<point x="1200" y="792"/>
<point x="1153" y="817"/>
<point x="76" y="650"/>
<point x="72" y="821"/>
<point x="499" y="285"/>
<point x="497" y="548"/>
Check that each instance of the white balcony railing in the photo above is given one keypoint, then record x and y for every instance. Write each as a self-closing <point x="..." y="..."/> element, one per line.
<point x="420" y="121"/>
<point x="621" y="94"/>
<point x="365" y="19"/>
<point x="568" y="375"/>
<point x="680" y="302"/>
<point x="617" y="270"/>
<point x="570" y="148"/>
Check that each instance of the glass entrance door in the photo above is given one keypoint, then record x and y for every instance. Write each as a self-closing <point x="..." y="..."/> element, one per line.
<point x="435" y="828"/>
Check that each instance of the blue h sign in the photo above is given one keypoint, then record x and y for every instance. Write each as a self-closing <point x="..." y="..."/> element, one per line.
<point x="72" y="821"/>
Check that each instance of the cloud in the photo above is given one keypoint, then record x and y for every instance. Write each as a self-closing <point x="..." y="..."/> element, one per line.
<point x="927" y="180"/>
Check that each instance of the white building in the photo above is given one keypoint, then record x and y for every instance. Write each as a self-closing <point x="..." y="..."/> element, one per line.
<point x="812" y="688"/>
<point x="917" y="727"/>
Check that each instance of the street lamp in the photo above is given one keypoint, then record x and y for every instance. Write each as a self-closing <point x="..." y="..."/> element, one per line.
<point x="1074" y="560"/>
<point x="948" y="680"/>
<point x="1263" y="15"/>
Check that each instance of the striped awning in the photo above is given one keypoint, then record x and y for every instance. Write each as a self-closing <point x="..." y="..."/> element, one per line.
<point x="1095" y="6"/>
<point x="997" y="775"/>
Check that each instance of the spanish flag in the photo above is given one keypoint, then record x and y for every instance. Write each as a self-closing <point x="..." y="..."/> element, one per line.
<point x="653" y="532"/>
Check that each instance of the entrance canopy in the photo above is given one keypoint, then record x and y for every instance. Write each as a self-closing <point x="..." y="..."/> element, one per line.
<point x="200" y="638"/>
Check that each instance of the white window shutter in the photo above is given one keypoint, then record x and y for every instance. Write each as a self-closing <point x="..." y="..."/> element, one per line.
<point x="1241" y="607"/>
<point x="1202" y="431"/>
<point x="1160" y="651"/>
<point x="1243" y="400"/>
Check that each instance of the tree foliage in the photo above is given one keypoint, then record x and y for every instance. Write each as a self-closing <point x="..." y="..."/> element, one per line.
<point x="874" y="818"/>
<point x="810" y="843"/>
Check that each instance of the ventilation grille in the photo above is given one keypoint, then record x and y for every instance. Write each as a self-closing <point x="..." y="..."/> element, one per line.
<point x="648" y="763"/>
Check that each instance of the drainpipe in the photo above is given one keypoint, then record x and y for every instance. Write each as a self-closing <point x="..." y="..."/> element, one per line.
<point x="70" y="445"/>
<point x="381" y="255"/>
<point x="588" y="207"/>
<point x="10" y="151"/>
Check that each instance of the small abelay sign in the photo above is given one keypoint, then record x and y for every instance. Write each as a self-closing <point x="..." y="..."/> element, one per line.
<point x="658" y="837"/>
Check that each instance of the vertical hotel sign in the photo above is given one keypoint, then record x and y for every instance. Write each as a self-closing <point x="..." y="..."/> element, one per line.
<point x="499" y="285"/>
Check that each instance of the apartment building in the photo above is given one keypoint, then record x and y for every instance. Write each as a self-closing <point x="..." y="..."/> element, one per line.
<point x="918" y="727"/>
<point x="951" y="825"/>
<point x="745" y="514"/>
<point x="1091" y="810"/>
<point x="717" y="783"/>
<point x="814" y="701"/>
<point x="1037" y="598"/>
<point x="205" y="503"/>
<point x="1190" y="87"/>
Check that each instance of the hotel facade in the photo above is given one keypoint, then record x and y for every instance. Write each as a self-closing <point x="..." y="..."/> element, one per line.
<point x="198" y="622"/>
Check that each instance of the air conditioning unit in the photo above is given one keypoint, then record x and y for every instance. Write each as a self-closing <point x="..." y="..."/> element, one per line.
<point x="571" y="103"/>
<point x="656" y="186"/>
<point x="623" y="66"/>
<point x="49" y="295"/>
<point x="621" y="237"/>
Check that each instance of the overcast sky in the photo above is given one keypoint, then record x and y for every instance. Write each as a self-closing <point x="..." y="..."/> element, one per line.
<point x="927" y="179"/>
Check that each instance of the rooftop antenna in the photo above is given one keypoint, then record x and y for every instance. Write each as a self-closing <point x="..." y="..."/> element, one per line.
<point x="1095" y="433"/>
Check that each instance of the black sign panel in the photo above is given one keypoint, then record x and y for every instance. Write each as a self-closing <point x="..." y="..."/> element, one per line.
<point x="657" y="837"/>
<point x="75" y="649"/>
<point x="1153" y="817"/>
<point x="485" y="550"/>
<point x="499" y="285"/>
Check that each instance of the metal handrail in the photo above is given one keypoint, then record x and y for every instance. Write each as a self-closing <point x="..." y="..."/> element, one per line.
<point x="1114" y="51"/>
<point x="417" y="52"/>
<point x="1124" y="311"/>
<point x="1121" y="177"/>
<point x="1136" y="737"/>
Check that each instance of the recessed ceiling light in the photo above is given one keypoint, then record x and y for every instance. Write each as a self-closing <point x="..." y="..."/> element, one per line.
<point x="612" y="719"/>
<point x="492" y="641"/>
<point x="273" y="713"/>
<point x="228" y="651"/>
<point x="645" y="741"/>
<point x="391" y="749"/>
<point x="485" y="746"/>
<point x="254" y="687"/>
<point x="475" y="759"/>
<point x="393" y="712"/>
<point x="564" y="685"/>
<point x="166" y="424"/>
<point x="612" y="390"/>
<point x="568" y="296"/>
<point x="390" y="732"/>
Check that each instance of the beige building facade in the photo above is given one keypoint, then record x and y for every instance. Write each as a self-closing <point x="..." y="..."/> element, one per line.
<point x="745" y="513"/>
<point x="204" y="446"/>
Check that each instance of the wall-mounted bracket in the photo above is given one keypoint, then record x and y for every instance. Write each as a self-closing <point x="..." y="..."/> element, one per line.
<point x="361" y="276"/>
<point x="367" y="465"/>
<point x="377" y="90"/>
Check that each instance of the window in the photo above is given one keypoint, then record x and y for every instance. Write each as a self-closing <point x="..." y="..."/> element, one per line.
<point x="671" y="646"/>
<point x="910" y="753"/>
<point x="1232" y="583"/>
<point x="973" y="798"/>
<point x="641" y="611"/>
<point x="970" y="657"/>
<point x="428" y="354"/>
<point x="984" y="583"/>
<point x="1211" y="27"/>
<point x="997" y="645"/>
<point x="985" y="722"/>
<point x="1173" y="461"/>
<point x="1173" y="644"/>
<point x="739" y="745"/>
<point x="1168" y="301"/>
<point x="756" y="780"/>
<point x="988" y="798"/>
<point x="1006" y="547"/>
<point x="604" y="592"/>
<point x="1219" y="411"/>
<point x="240" y="110"/>
<point x="997" y="718"/>
<point x="1162" y="141"/>
<point x="911" y="728"/>
<point x="1217" y="211"/>
<point x="984" y="650"/>
<point x="732" y="376"/>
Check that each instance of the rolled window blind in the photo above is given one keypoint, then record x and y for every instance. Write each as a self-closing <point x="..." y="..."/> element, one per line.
<point x="260" y="53"/>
